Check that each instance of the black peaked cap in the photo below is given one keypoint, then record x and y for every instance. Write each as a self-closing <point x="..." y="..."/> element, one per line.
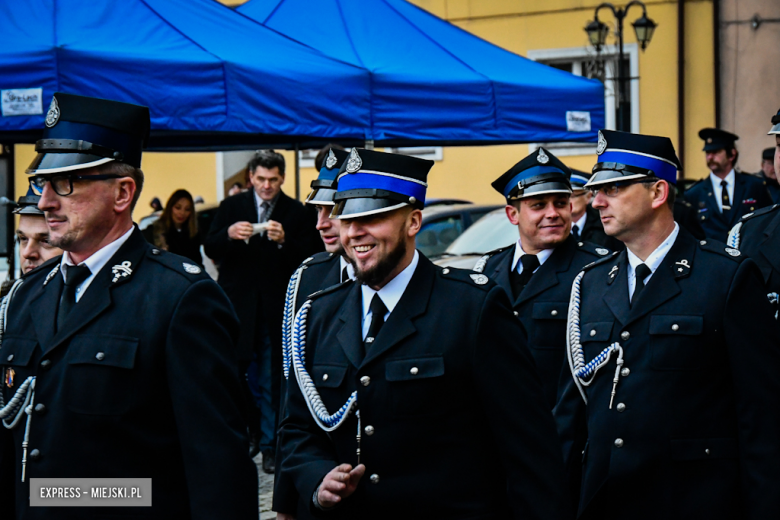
<point x="540" y="157"/>
<point x="717" y="139"/>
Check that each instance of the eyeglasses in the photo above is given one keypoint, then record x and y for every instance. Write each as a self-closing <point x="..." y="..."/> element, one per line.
<point x="63" y="184"/>
<point x="612" y="189"/>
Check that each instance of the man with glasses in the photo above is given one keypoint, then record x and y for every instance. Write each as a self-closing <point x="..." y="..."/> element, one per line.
<point x="118" y="360"/>
<point x="537" y="271"/>
<point x="672" y="350"/>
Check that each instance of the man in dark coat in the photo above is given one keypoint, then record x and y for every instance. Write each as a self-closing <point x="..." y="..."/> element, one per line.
<point x="725" y="195"/>
<point x="585" y="220"/>
<point x="258" y="238"/>
<point x="536" y="272"/>
<point x="673" y="349"/>
<point x="125" y="354"/>
<point x="426" y="365"/>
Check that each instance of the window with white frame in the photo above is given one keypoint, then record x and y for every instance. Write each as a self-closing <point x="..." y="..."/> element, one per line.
<point x="581" y="61"/>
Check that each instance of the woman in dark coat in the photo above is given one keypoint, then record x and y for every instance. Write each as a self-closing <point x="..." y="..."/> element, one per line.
<point x="177" y="228"/>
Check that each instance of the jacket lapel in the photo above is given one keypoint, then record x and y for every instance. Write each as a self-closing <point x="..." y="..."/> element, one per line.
<point x="547" y="275"/>
<point x="616" y="295"/>
<point x="413" y="303"/>
<point x="500" y="274"/>
<point x="43" y="308"/>
<point x="351" y="333"/>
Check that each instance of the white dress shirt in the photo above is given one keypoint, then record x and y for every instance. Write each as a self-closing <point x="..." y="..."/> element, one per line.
<point x="730" y="179"/>
<point x="581" y="223"/>
<point x="96" y="262"/>
<point x="653" y="261"/>
<point x="543" y="255"/>
<point x="390" y="294"/>
<point x="350" y="269"/>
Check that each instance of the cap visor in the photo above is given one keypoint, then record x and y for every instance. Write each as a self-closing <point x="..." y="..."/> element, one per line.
<point x="608" y="176"/>
<point x="46" y="163"/>
<point x="354" y="208"/>
<point x="774" y="130"/>
<point x="544" y="188"/>
<point x="321" y="197"/>
<point x="28" y="210"/>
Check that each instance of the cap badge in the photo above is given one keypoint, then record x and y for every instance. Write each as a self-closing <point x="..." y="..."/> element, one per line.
<point x="479" y="279"/>
<point x="732" y="251"/>
<point x="602" y="251"/>
<point x="121" y="271"/>
<point x="54" y="113"/>
<point x="709" y="140"/>
<point x="354" y="163"/>
<point x="542" y="157"/>
<point x="192" y="269"/>
<point x="331" y="161"/>
<point x="602" y="144"/>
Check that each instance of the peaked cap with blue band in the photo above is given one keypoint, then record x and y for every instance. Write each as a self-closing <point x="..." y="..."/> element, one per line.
<point x="625" y="156"/>
<point x="775" y="124"/>
<point x="717" y="139"/>
<point x="324" y="186"/>
<point x="371" y="182"/>
<point x="83" y="132"/>
<point x="539" y="173"/>
<point x="579" y="179"/>
<point x="28" y="205"/>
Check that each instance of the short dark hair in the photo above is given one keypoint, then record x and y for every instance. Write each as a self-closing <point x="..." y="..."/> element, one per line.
<point x="268" y="159"/>
<point x="323" y="153"/>
<point x="125" y="170"/>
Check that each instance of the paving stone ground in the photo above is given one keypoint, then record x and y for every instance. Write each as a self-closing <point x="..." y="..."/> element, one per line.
<point x="265" y="490"/>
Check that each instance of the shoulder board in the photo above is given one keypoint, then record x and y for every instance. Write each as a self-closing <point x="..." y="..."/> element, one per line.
<point x="600" y="261"/>
<point x="697" y="183"/>
<point x="593" y="249"/>
<point x="318" y="258"/>
<point x="329" y="290"/>
<point x="759" y="212"/>
<point x="474" y="279"/>
<point x="483" y="260"/>
<point x="720" y="248"/>
<point x="180" y="264"/>
<point x="45" y="267"/>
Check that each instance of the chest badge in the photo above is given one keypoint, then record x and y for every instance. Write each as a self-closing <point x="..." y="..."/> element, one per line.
<point x="479" y="279"/>
<point x="121" y="271"/>
<point x="9" y="377"/>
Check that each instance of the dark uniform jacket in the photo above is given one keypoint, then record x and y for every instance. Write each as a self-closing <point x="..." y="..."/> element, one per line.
<point x="772" y="186"/>
<point x="687" y="216"/>
<point x="543" y="305"/>
<point x="141" y="381"/>
<point x="759" y="239"/>
<point x="255" y="275"/>
<point x="453" y="417"/>
<point x="594" y="231"/>
<point x="750" y="194"/>
<point x="321" y="271"/>
<point x="694" y="428"/>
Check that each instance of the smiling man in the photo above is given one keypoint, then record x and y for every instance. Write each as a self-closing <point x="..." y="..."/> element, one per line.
<point x="437" y="409"/>
<point x="537" y="271"/>
<point x="32" y="234"/>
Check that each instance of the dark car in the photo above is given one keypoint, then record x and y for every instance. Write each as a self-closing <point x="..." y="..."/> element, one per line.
<point x="442" y="224"/>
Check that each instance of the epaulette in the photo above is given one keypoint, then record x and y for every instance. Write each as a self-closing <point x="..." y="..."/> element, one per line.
<point x="759" y="212"/>
<point x="329" y="290"/>
<point x="179" y="264"/>
<point x="720" y="248"/>
<point x="474" y="279"/>
<point x="600" y="261"/>
<point x="593" y="249"/>
<point x="318" y="258"/>
<point x="483" y="260"/>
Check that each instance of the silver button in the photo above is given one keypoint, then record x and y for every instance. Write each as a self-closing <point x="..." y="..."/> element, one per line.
<point x="443" y="271"/>
<point x="324" y="377"/>
<point x="11" y="357"/>
<point x="621" y="407"/>
<point x="365" y="380"/>
<point x="517" y="313"/>
<point x="675" y="327"/>
<point x="100" y="356"/>
<point x="580" y="244"/>
<point x="414" y="371"/>
<point x="619" y="443"/>
<point x="706" y="451"/>
<point x="155" y="251"/>
<point x="369" y="430"/>
<point x="624" y="372"/>
<point x="554" y="313"/>
<point x="703" y="242"/>
<point x="374" y="478"/>
<point x="625" y="335"/>
<point x="592" y="333"/>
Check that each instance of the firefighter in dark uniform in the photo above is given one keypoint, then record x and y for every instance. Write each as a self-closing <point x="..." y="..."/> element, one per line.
<point x="725" y="195"/>
<point x="317" y="272"/>
<point x="672" y="349"/>
<point x="585" y="219"/>
<point x="758" y="237"/>
<point x="414" y="377"/>
<point x="537" y="271"/>
<point x="123" y="354"/>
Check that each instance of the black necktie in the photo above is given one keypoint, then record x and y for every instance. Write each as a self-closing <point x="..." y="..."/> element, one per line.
<point x="74" y="275"/>
<point x="724" y="196"/>
<point x="575" y="230"/>
<point x="378" y="311"/>
<point x="520" y="280"/>
<point x="642" y="272"/>
<point x="344" y="274"/>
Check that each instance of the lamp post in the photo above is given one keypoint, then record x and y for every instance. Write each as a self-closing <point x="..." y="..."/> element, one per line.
<point x="597" y="34"/>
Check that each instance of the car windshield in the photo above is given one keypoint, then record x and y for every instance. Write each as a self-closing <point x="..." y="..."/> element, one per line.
<point x="488" y="233"/>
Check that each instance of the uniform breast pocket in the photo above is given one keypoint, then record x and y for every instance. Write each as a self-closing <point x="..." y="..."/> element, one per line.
<point x="329" y="379"/>
<point x="549" y="322"/>
<point x="676" y="342"/>
<point x="100" y="376"/>
<point x="417" y="386"/>
<point x="594" y="337"/>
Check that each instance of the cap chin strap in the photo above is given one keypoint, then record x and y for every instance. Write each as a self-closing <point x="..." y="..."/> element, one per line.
<point x="76" y="146"/>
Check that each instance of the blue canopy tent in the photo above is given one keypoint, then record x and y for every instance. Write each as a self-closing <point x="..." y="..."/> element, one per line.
<point x="212" y="78"/>
<point x="434" y="83"/>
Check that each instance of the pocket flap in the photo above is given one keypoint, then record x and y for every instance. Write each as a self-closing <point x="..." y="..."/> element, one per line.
<point x="676" y="324"/>
<point x="16" y="352"/>
<point x="596" y="331"/>
<point x="550" y="310"/>
<point x="328" y="376"/>
<point x="104" y="349"/>
<point x="418" y="368"/>
<point x="697" y="449"/>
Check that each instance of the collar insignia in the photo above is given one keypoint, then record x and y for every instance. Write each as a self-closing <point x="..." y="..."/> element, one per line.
<point x="602" y="145"/>
<point x="190" y="268"/>
<point x="682" y="268"/>
<point x="54" y="113"/>
<point x="612" y="274"/>
<point x="479" y="279"/>
<point x="354" y="163"/>
<point x="331" y="161"/>
<point x="542" y="157"/>
<point x="121" y="271"/>
<point x="51" y="275"/>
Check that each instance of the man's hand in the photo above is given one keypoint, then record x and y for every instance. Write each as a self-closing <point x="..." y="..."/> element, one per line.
<point x="339" y="484"/>
<point x="275" y="231"/>
<point x="240" y="230"/>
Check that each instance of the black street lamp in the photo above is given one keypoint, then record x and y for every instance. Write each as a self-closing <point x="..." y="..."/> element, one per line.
<point x="597" y="31"/>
